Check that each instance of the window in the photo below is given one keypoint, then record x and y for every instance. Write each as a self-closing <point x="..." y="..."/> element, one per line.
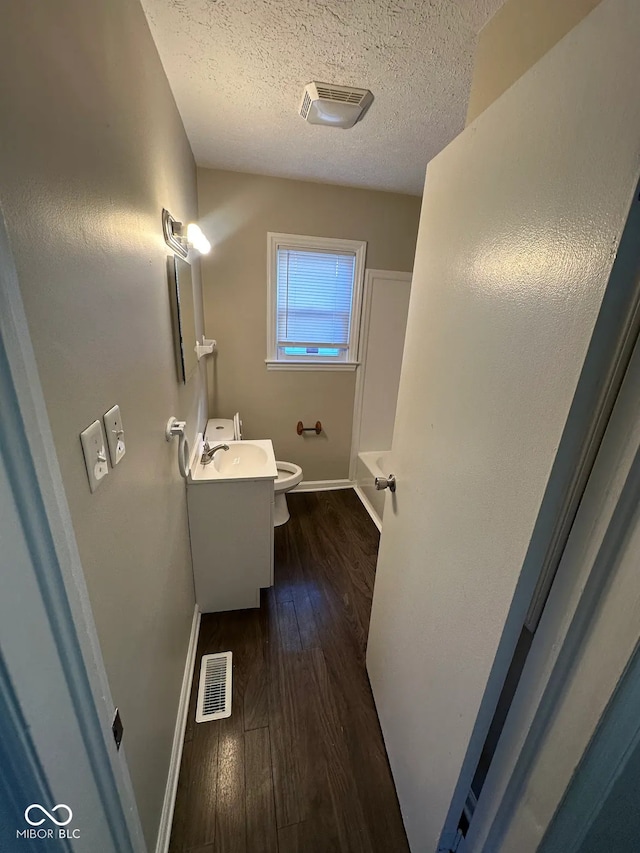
<point x="315" y="292"/>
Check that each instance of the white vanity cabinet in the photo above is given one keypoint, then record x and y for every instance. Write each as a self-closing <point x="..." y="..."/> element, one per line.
<point x="231" y="531"/>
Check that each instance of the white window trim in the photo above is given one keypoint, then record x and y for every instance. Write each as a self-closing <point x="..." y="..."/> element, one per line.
<point x="299" y="241"/>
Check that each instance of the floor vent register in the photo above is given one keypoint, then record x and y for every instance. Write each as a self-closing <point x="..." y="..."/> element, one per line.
<point x="214" y="690"/>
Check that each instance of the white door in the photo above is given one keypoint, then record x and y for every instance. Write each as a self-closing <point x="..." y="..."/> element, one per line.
<point x="520" y="222"/>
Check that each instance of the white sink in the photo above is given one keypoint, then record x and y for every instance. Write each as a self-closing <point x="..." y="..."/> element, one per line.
<point x="244" y="460"/>
<point x="240" y="459"/>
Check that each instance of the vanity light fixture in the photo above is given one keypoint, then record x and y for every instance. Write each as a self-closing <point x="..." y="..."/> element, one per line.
<point x="182" y="237"/>
<point x="196" y="238"/>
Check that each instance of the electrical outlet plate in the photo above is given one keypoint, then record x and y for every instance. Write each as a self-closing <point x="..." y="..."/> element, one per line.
<point x="115" y="434"/>
<point x="95" y="454"/>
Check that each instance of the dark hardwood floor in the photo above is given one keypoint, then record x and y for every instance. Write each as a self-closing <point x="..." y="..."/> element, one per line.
<point x="300" y="766"/>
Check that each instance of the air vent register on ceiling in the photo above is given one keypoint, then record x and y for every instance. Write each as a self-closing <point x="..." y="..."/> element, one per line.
<point x="336" y="106"/>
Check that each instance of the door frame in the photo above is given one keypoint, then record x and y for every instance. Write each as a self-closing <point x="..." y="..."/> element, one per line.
<point x="551" y="685"/>
<point x="612" y="750"/>
<point x="361" y="371"/>
<point x="58" y="599"/>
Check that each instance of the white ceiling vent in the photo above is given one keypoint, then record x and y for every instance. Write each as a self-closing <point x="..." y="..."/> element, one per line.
<point x="337" y="106"/>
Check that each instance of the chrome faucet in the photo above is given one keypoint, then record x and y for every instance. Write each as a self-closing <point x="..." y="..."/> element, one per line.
<point x="208" y="452"/>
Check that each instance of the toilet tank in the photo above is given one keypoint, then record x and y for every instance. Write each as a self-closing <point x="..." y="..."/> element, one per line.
<point x="223" y="429"/>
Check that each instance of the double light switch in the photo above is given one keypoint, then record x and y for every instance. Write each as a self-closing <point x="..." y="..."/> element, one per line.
<point x="94" y="446"/>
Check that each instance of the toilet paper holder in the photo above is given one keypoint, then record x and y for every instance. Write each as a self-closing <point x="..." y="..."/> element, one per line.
<point x="300" y="428"/>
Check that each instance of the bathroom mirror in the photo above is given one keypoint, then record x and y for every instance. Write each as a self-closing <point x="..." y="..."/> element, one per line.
<point x="183" y="311"/>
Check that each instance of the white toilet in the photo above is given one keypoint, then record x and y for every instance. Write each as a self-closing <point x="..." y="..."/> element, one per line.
<point x="223" y="429"/>
<point x="289" y="475"/>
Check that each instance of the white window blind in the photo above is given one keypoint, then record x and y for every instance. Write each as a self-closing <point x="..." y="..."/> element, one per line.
<point x="314" y="298"/>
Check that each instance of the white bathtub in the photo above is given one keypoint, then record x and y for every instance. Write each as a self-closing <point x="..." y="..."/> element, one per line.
<point x="372" y="464"/>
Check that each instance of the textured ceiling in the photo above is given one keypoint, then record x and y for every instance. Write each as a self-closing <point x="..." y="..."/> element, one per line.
<point x="238" y="67"/>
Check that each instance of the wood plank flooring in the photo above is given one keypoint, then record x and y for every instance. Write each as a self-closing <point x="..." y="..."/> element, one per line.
<point x="300" y="766"/>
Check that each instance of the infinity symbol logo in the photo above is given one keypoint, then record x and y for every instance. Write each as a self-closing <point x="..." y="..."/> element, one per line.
<point x="48" y="815"/>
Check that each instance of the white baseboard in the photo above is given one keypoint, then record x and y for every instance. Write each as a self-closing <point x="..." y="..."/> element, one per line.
<point x="322" y="485"/>
<point x="366" y="503"/>
<point x="166" y="819"/>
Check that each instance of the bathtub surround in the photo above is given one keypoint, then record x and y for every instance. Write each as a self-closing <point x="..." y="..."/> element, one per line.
<point x="92" y="149"/>
<point x="383" y="326"/>
<point x="384" y="323"/>
<point x="236" y="211"/>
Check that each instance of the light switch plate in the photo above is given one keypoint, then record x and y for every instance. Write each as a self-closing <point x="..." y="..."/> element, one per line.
<point x="115" y="434"/>
<point x="95" y="454"/>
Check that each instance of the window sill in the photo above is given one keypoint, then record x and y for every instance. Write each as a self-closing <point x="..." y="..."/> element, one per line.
<point x="310" y="365"/>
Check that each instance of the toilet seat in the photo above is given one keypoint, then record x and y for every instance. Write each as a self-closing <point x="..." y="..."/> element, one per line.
<point x="289" y="475"/>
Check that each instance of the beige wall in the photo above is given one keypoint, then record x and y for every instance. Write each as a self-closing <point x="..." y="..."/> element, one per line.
<point x="237" y="211"/>
<point x="91" y="148"/>
<point x="513" y="40"/>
